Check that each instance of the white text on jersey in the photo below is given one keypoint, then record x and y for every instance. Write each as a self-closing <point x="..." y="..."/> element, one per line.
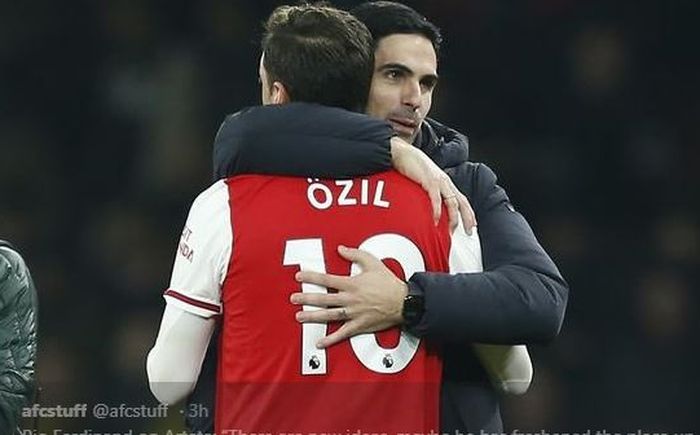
<point x="321" y="197"/>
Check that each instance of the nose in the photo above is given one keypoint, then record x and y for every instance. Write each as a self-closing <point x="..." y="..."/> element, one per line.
<point x="411" y="94"/>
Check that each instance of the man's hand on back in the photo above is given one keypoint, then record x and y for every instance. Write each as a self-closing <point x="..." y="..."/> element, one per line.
<point x="372" y="300"/>
<point x="368" y="302"/>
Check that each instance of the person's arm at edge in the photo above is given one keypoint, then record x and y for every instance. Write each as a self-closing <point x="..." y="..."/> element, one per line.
<point x="18" y="383"/>
<point x="520" y="298"/>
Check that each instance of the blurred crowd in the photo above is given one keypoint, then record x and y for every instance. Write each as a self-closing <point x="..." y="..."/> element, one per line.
<point x="589" y="112"/>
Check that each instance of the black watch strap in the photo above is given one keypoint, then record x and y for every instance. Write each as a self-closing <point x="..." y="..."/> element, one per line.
<point x="413" y="307"/>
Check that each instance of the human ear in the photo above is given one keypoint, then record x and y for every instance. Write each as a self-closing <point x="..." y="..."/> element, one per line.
<point x="279" y="93"/>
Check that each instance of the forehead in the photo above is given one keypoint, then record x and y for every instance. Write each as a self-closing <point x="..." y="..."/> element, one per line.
<point x="412" y="50"/>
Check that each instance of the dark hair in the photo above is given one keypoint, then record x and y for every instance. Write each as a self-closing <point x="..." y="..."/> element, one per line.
<point x="384" y="18"/>
<point x="321" y="54"/>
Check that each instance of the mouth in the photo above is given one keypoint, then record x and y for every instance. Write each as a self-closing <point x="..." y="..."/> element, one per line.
<point x="403" y="125"/>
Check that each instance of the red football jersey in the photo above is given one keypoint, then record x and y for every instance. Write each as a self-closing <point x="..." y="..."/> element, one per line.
<point x="271" y="377"/>
<point x="244" y="240"/>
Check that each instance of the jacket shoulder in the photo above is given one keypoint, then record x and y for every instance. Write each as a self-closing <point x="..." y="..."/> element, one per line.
<point x="14" y="277"/>
<point x="10" y="261"/>
<point x="474" y="179"/>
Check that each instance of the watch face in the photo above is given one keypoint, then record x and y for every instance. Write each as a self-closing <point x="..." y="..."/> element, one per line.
<point x="412" y="309"/>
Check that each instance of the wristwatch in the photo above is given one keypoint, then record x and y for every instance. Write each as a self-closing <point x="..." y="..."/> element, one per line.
<point x="413" y="309"/>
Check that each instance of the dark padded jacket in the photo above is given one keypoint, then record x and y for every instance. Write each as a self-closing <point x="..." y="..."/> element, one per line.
<point x="18" y="337"/>
<point x="520" y="298"/>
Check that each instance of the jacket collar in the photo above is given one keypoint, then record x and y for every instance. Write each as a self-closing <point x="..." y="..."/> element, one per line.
<point x="446" y="146"/>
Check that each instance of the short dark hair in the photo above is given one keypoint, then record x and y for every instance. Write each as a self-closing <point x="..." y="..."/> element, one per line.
<point x="384" y="18"/>
<point x="321" y="54"/>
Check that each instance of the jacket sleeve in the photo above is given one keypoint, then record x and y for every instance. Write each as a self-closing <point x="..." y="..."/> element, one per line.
<point x="519" y="298"/>
<point x="293" y="139"/>
<point x="17" y="338"/>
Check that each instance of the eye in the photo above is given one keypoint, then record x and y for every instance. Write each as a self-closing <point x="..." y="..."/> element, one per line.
<point x="393" y="74"/>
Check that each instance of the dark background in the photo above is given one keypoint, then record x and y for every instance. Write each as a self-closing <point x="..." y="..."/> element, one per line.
<point x="589" y="111"/>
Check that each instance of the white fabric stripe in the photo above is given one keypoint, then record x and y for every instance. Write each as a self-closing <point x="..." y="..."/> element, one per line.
<point x="509" y="367"/>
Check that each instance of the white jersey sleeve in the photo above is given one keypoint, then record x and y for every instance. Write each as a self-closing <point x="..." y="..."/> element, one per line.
<point x="508" y="367"/>
<point x="203" y="254"/>
<point x="183" y="337"/>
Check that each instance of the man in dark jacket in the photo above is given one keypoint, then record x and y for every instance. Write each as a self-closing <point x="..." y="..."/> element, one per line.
<point x="18" y="337"/>
<point x="519" y="298"/>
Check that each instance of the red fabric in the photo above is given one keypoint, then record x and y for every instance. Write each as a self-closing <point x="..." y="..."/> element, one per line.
<point x="260" y="387"/>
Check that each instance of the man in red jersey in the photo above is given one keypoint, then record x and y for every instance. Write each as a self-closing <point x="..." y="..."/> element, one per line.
<point x="271" y="375"/>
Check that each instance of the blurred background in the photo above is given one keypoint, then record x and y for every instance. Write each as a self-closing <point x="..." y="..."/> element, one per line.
<point x="589" y="112"/>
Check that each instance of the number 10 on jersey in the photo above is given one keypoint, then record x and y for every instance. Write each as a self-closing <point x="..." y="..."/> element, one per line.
<point x="308" y="255"/>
